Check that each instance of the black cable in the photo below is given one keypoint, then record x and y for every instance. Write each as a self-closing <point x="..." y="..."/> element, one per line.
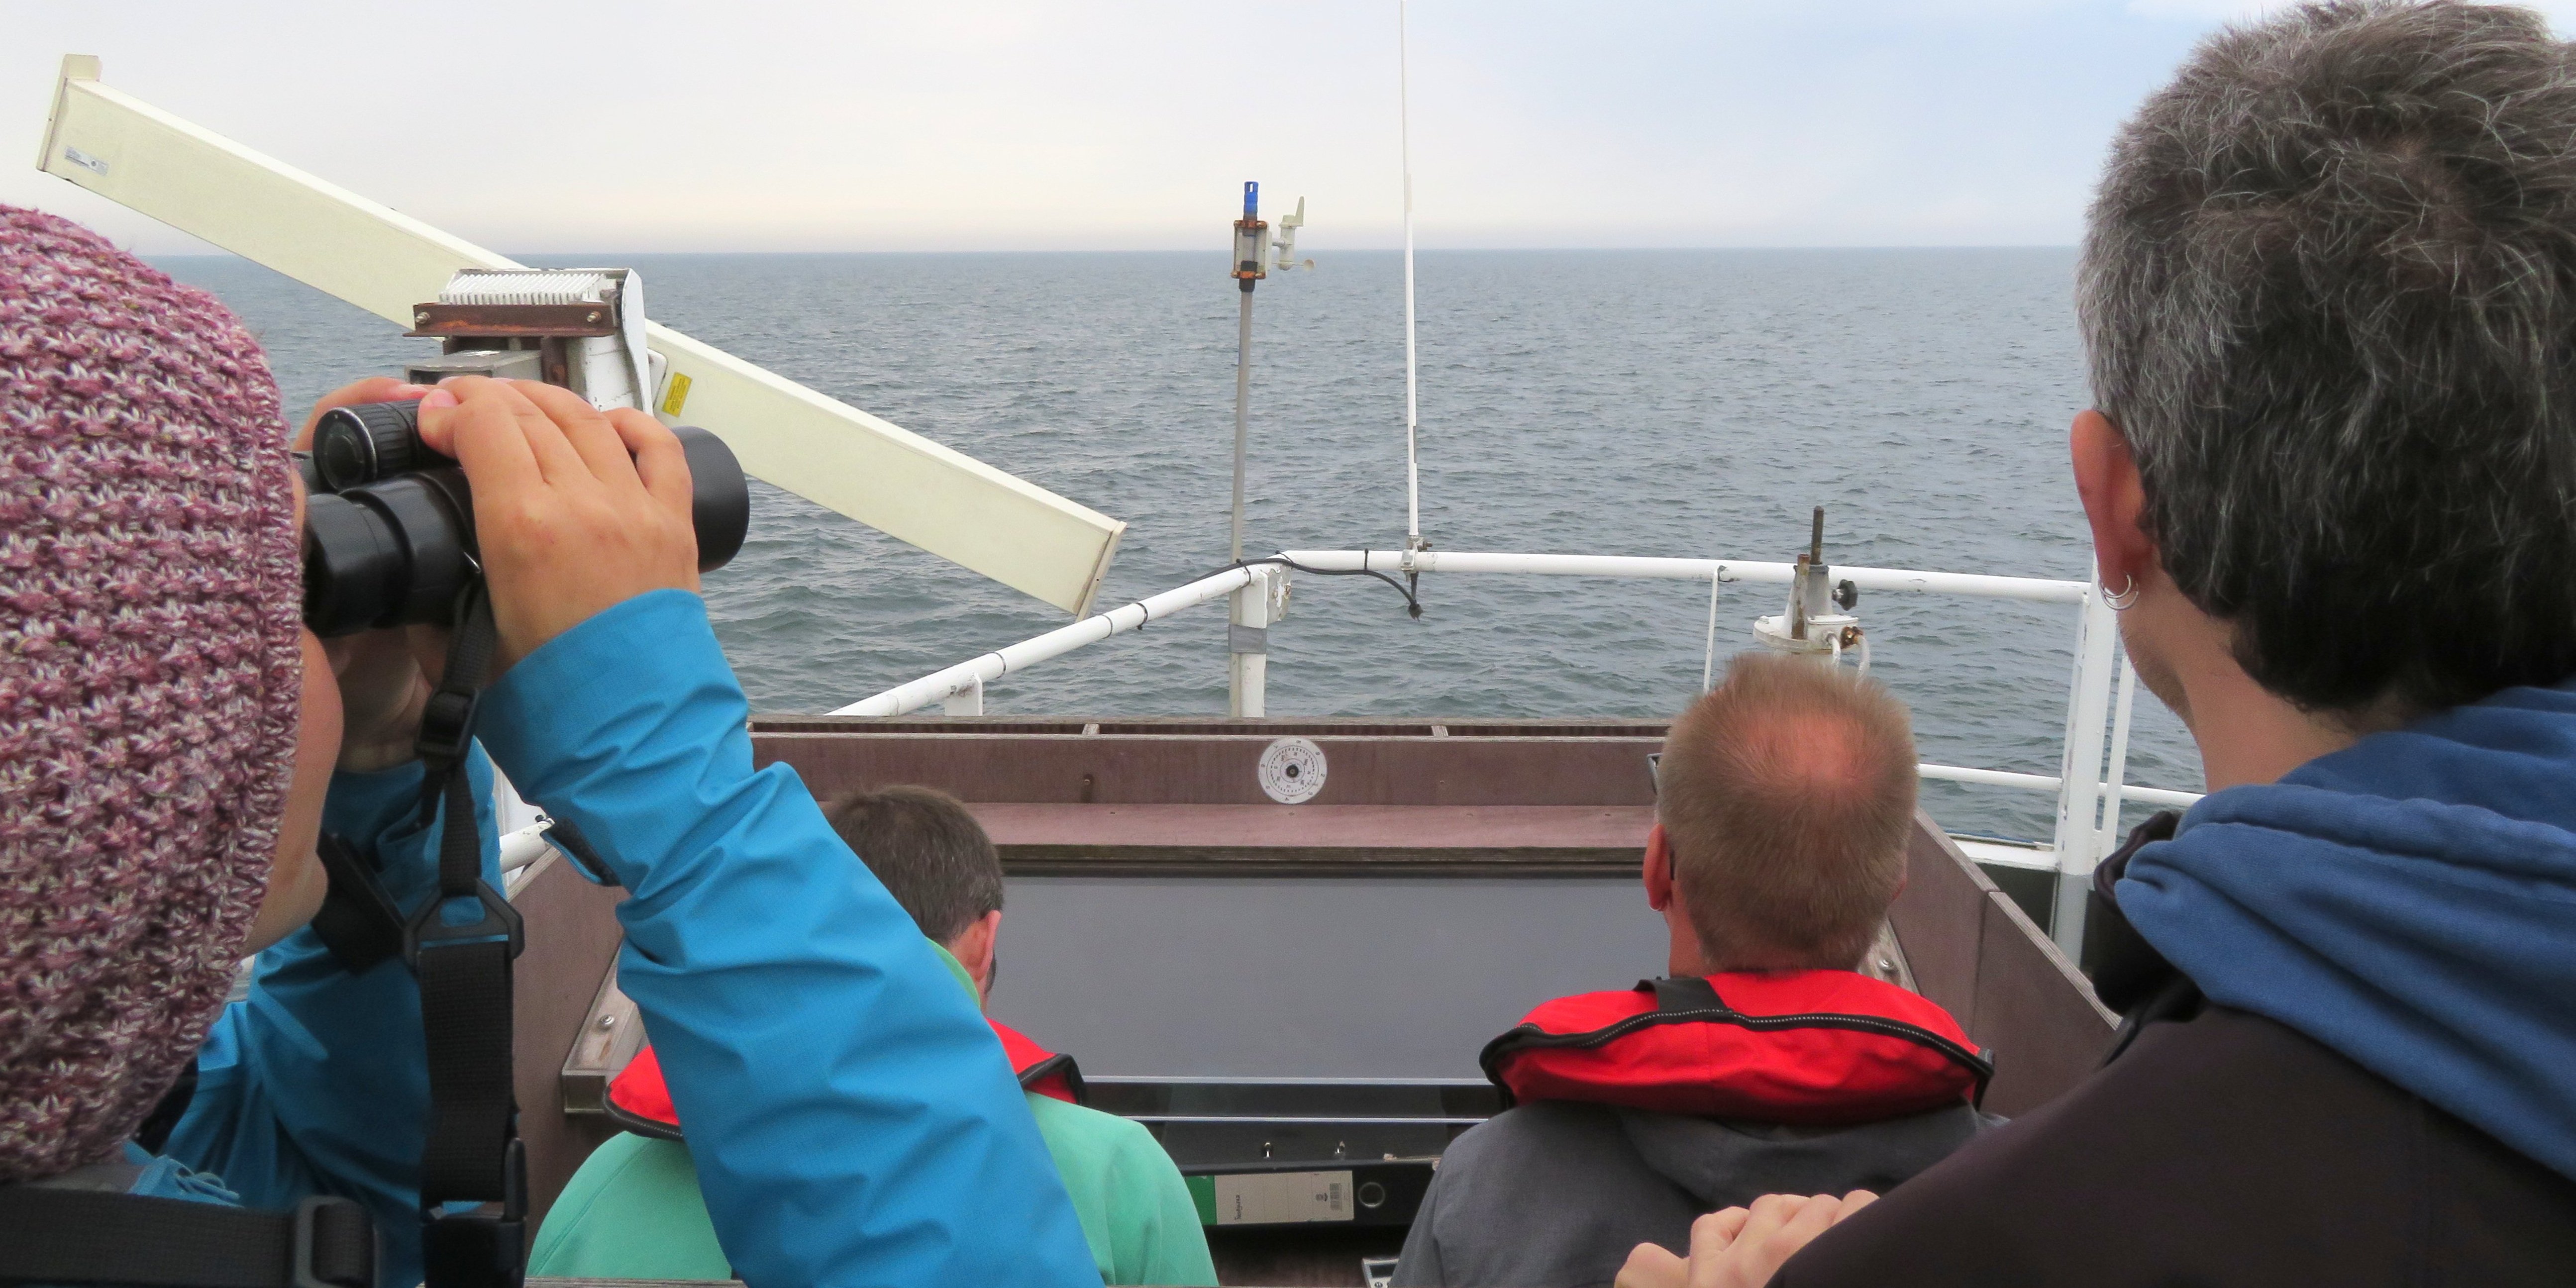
<point x="1412" y="605"/>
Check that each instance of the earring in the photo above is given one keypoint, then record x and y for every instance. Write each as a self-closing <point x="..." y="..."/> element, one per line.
<point x="2126" y="595"/>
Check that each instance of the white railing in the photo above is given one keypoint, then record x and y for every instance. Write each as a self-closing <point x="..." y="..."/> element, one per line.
<point x="2100" y="694"/>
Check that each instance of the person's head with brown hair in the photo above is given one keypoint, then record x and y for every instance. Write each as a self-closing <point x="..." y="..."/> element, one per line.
<point x="936" y="860"/>
<point x="1782" y="804"/>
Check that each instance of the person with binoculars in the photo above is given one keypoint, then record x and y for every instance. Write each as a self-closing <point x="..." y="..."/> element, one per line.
<point x="174" y="741"/>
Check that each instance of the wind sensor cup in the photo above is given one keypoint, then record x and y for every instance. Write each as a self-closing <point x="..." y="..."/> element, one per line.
<point x="389" y="524"/>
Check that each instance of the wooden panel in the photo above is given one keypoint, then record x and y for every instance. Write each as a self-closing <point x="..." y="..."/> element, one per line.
<point x="2036" y="1011"/>
<point x="1940" y="919"/>
<point x="1524" y="840"/>
<point x="572" y="938"/>
<point x="1201" y="769"/>
<point x="1304" y="1257"/>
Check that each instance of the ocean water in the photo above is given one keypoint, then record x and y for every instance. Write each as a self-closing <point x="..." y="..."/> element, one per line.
<point x="1691" y="403"/>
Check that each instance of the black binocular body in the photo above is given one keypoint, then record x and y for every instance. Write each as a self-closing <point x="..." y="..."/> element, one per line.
<point x="389" y="523"/>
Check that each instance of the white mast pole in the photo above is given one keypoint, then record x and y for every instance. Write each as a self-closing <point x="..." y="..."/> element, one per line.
<point x="1412" y="384"/>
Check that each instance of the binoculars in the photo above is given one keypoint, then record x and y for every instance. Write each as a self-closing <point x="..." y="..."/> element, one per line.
<point x="389" y="523"/>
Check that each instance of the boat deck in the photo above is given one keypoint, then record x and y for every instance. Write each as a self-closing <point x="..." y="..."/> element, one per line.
<point x="1271" y="986"/>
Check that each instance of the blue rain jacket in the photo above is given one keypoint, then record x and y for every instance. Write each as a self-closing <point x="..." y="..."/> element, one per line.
<point x="2409" y="901"/>
<point x="317" y="1082"/>
<point x="852" y="1117"/>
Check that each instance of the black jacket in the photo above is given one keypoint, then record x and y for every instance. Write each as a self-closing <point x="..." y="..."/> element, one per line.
<point x="2216" y="1148"/>
<point x="1555" y="1194"/>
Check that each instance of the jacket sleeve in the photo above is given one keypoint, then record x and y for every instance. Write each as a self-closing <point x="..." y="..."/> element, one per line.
<point x="1418" y="1266"/>
<point x="1153" y="1224"/>
<point x="852" y="1118"/>
<point x="317" y="1082"/>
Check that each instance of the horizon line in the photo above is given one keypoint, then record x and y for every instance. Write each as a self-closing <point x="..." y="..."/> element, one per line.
<point x="1221" y="251"/>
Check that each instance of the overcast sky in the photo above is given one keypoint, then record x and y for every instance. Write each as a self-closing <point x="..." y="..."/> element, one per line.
<point x="1128" y="124"/>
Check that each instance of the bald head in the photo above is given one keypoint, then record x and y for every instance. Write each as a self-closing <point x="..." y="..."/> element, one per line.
<point x="1785" y="795"/>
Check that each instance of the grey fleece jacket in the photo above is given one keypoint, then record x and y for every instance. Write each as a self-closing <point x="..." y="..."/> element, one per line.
<point x="1555" y="1194"/>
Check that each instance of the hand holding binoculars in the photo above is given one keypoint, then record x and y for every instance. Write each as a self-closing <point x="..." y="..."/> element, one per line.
<point x="389" y="523"/>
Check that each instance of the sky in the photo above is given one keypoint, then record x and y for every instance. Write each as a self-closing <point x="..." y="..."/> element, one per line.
<point x="798" y="125"/>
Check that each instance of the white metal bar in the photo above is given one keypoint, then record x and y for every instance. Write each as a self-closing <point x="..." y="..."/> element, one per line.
<point x="968" y="701"/>
<point x="2051" y="783"/>
<point x="2088" y="706"/>
<point x="1248" y="674"/>
<point x="2114" y="790"/>
<point x="2160" y="796"/>
<point x="1242" y="408"/>
<point x="1412" y="383"/>
<point x="939" y="685"/>
<point x="1991" y="777"/>
<point x="1708" y="660"/>
<point x="2037" y="589"/>
<point x="385" y="262"/>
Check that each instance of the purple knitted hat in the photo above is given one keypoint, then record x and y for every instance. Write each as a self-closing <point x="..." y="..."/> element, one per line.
<point x="149" y="676"/>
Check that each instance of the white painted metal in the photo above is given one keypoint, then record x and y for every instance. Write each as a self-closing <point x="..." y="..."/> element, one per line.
<point x="2040" y="590"/>
<point x="968" y="701"/>
<point x="1242" y="411"/>
<point x="2008" y="854"/>
<point x="2051" y="783"/>
<point x="2079" y="834"/>
<point x="1291" y="770"/>
<point x="939" y="685"/>
<point x="1412" y="380"/>
<point x="889" y="478"/>
<point x="1248" y="674"/>
<point x="1283" y="248"/>
<point x="1708" y="660"/>
<point x="524" y="846"/>
<point x="2114" y="790"/>
<point x="1991" y="777"/>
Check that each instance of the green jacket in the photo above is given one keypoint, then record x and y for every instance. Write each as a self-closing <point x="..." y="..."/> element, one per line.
<point x="633" y="1211"/>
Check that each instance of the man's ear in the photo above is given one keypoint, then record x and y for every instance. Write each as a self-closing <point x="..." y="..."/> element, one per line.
<point x="1659" y="869"/>
<point x="973" y="948"/>
<point x="2115" y="502"/>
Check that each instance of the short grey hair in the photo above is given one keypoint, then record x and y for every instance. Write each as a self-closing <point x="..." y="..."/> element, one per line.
<point x="2328" y="294"/>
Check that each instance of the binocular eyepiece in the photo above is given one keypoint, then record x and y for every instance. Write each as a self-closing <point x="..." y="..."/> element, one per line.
<point x="389" y="523"/>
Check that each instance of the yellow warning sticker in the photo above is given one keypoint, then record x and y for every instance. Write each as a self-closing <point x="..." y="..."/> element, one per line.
<point x="675" y="394"/>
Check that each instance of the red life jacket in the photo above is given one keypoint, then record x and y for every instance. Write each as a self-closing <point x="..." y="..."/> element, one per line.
<point x="640" y="1102"/>
<point x="1818" y="1047"/>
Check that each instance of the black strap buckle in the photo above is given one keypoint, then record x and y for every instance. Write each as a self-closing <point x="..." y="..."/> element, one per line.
<point x="469" y="1250"/>
<point x="340" y="1266"/>
<point x="428" y="927"/>
<point x="447" y="725"/>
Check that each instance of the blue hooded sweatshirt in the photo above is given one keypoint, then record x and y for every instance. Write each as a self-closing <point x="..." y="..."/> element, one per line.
<point x="2409" y="901"/>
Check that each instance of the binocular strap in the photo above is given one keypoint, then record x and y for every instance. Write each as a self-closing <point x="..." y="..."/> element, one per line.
<point x="462" y="944"/>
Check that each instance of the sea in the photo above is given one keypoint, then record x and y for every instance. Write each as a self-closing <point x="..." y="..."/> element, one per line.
<point x="1689" y="403"/>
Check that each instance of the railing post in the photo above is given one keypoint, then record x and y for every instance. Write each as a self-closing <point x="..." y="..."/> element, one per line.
<point x="1247" y="643"/>
<point x="2115" y="787"/>
<point x="968" y="701"/>
<point x="2079" y="797"/>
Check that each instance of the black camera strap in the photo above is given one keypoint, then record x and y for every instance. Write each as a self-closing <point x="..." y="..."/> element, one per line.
<point x="358" y="921"/>
<point x="463" y="960"/>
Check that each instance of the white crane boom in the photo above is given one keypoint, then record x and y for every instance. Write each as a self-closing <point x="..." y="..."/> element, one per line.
<point x="385" y="262"/>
